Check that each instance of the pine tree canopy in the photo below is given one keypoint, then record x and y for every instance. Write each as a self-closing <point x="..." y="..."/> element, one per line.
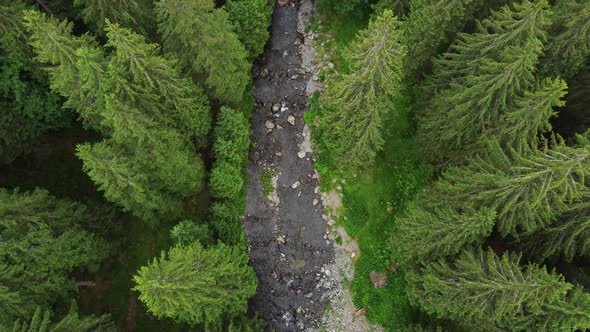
<point x="71" y="322"/>
<point x="202" y="38"/>
<point x="528" y="189"/>
<point x="357" y="102"/>
<point x="197" y="285"/>
<point x="568" y="48"/>
<point x="441" y="232"/>
<point x="42" y="243"/>
<point x="484" y="290"/>
<point x="96" y="12"/>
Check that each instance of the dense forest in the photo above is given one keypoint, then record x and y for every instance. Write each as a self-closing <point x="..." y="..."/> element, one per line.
<point x="460" y="129"/>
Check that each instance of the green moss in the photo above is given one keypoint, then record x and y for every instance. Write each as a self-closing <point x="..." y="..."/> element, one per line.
<point x="266" y="182"/>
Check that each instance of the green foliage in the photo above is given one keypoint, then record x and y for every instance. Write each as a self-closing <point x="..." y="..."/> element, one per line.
<point x="251" y="19"/>
<point x="428" y="235"/>
<point x="568" y="47"/>
<point x="28" y="108"/>
<point x="430" y="26"/>
<point x="231" y="137"/>
<point x="202" y="38"/>
<point x="95" y="13"/>
<point x="71" y="322"/>
<point x="357" y="102"/>
<point x="570" y="236"/>
<point x="196" y="285"/>
<point x="483" y="77"/>
<point x="527" y="190"/>
<point x="346" y="7"/>
<point x="139" y="100"/>
<point x="484" y="290"/>
<point x="226" y="180"/>
<point x="266" y="182"/>
<point x="188" y="232"/>
<point x="226" y="220"/>
<point x="43" y="243"/>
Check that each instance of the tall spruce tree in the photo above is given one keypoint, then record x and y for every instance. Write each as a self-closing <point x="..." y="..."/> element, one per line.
<point x="149" y="114"/>
<point x="425" y="235"/>
<point x="483" y="77"/>
<point x="202" y="38"/>
<point x="490" y="292"/>
<point x="570" y="313"/>
<point x="569" y="236"/>
<point x="196" y="285"/>
<point x="95" y="13"/>
<point x="357" y="102"/>
<point x="71" y="322"/>
<point x="251" y="19"/>
<point x="430" y="25"/>
<point x="527" y="189"/>
<point x="42" y="243"/>
<point x="568" y="48"/>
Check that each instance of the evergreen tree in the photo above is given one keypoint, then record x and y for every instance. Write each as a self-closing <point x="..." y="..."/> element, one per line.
<point x="490" y="292"/>
<point x="42" y="243"/>
<point x="428" y="235"/>
<point x="202" y="38"/>
<point x="356" y="103"/>
<point x="148" y="112"/>
<point x="226" y="221"/>
<point x="71" y="322"/>
<point x="527" y="190"/>
<point x="483" y="76"/>
<point x="188" y="232"/>
<point x="27" y="107"/>
<point x="196" y="285"/>
<point x="570" y="236"/>
<point x="530" y="114"/>
<point x="430" y="25"/>
<point x="568" y="48"/>
<point x="251" y="19"/>
<point x="569" y="313"/>
<point x="95" y="13"/>
<point x="78" y="65"/>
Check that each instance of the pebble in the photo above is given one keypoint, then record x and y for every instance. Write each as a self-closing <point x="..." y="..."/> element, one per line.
<point x="291" y="120"/>
<point x="331" y="222"/>
<point x="301" y="154"/>
<point x="339" y="188"/>
<point x="276" y="107"/>
<point x="308" y="295"/>
<point x="353" y="254"/>
<point x="315" y="78"/>
<point x="295" y="185"/>
<point x="330" y="65"/>
<point x="328" y="272"/>
<point x="280" y="239"/>
<point x="269" y="124"/>
<point x="315" y="201"/>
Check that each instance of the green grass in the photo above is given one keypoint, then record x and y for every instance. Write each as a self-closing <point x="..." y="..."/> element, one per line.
<point x="266" y="182"/>
<point x="391" y="182"/>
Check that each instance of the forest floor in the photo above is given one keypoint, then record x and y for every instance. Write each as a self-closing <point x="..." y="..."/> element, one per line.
<point x="288" y="244"/>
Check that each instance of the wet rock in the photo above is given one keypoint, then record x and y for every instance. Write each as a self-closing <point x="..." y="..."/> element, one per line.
<point x="379" y="279"/>
<point x="291" y="120"/>
<point x="269" y="124"/>
<point x="276" y="107"/>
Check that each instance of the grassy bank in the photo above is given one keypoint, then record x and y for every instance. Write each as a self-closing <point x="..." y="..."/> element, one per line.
<point x="375" y="197"/>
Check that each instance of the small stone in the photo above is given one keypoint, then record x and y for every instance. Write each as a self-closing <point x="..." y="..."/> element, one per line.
<point x="343" y="181"/>
<point x="315" y="201"/>
<point x="331" y="222"/>
<point x="281" y="239"/>
<point x="279" y="154"/>
<point x="315" y="78"/>
<point x="352" y="254"/>
<point x="301" y="154"/>
<point x="328" y="272"/>
<point x="285" y="53"/>
<point x="276" y="107"/>
<point x="317" y="190"/>
<point x="325" y="217"/>
<point x="328" y="242"/>
<point x="264" y="72"/>
<point x="339" y="188"/>
<point x="291" y="120"/>
<point x="330" y="65"/>
<point x="308" y="295"/>
<point x="379" y="279"/>
<point x="299" y="310"/>
<point x="269" y="124"/>
<point x="295" y="185"/>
